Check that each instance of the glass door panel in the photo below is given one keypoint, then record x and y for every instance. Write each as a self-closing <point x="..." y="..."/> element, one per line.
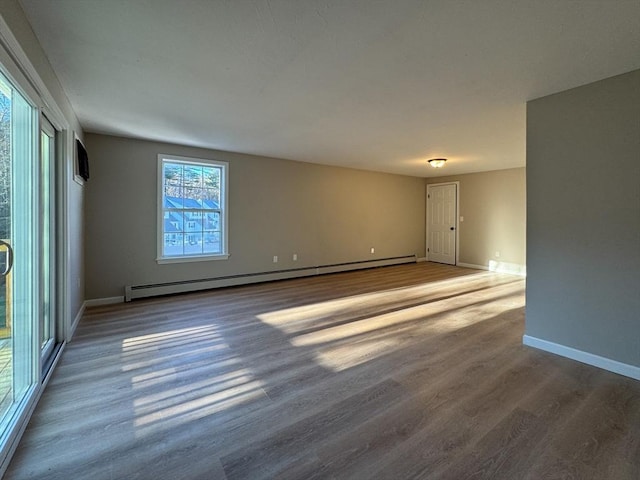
<point x="47" y="274"/>
<point x="19" y="253"/>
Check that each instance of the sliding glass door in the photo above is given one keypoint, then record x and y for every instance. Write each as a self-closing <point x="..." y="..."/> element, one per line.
<point x="20" y="253"/>
<point x="47" y="240"/>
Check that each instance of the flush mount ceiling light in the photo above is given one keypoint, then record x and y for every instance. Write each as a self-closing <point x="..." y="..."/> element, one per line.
<point x="437" y="162"/>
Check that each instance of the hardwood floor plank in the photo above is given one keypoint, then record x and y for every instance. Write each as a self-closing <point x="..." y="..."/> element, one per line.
<point x="598" y="433"/>
<point x="406" y="372"/>
<point x="457" y="422"/>
<point x="267" y="457"/>
<point x="501" y="453"/>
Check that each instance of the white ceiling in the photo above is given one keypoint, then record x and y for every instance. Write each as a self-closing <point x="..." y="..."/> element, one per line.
<point x="379" y="85"/>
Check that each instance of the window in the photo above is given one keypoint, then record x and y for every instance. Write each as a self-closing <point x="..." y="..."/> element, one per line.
<point x="192" y="209"/>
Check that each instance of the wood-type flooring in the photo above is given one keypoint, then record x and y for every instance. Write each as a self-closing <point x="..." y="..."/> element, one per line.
<point x="407" y="372"/>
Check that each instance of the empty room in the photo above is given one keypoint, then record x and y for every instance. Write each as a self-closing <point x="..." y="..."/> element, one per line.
<point x="301" y="239"/>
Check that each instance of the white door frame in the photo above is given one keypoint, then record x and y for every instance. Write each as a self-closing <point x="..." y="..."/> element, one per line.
<point x="17" y="67"/>
<point x="52" y="255"/>
<point x="457" y="184"/>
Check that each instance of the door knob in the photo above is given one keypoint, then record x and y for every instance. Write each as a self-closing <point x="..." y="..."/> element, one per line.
<point x="8" y="263"/>
<point x="452" y="228"/>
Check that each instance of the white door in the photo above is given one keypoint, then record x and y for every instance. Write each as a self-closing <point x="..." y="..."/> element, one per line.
<point x="442" y="211"/>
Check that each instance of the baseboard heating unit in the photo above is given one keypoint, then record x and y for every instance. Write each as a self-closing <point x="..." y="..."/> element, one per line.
<point x="131" y="292"/>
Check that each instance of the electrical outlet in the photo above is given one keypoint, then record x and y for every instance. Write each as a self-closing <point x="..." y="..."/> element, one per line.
<point x="275" y="259"/>
<point x="373" y="250"/>
<point x="497" y="254"/>
<point x="295" y="257"/>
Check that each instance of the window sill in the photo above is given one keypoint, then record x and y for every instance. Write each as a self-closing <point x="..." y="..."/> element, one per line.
<point x="192" y="258"/>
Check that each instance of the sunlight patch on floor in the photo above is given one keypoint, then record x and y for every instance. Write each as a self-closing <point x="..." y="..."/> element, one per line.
<point x="438" y="318"/>
<point x="217" y="383"/>
<point x="290" y="320"/>
<point x="149" y="350"/>
<point x="161" y="401"/>
<point x="183" y="410"/>
<point x="343" y="357"/>
<point x="342" y="334"/>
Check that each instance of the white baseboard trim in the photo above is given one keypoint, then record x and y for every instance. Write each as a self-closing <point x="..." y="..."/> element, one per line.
<point x="96" y="302"/>
<point x="152" y="290"/>
<point x="76" y="321"/>
<point x="614" y="366"/>
<point x="506" y="267"/>
<point x="471" y="265"/>
<point x="499" y="267"/>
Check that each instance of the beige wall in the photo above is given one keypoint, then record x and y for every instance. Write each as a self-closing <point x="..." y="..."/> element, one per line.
<point x="493" y="205"/>
<point x="276" y="207"/>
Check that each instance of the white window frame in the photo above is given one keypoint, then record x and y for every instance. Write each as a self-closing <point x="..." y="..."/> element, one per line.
<point x="224" y="213"/>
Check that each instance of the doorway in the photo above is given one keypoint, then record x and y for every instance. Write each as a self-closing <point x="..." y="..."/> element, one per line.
<point x="442" y="225"/>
